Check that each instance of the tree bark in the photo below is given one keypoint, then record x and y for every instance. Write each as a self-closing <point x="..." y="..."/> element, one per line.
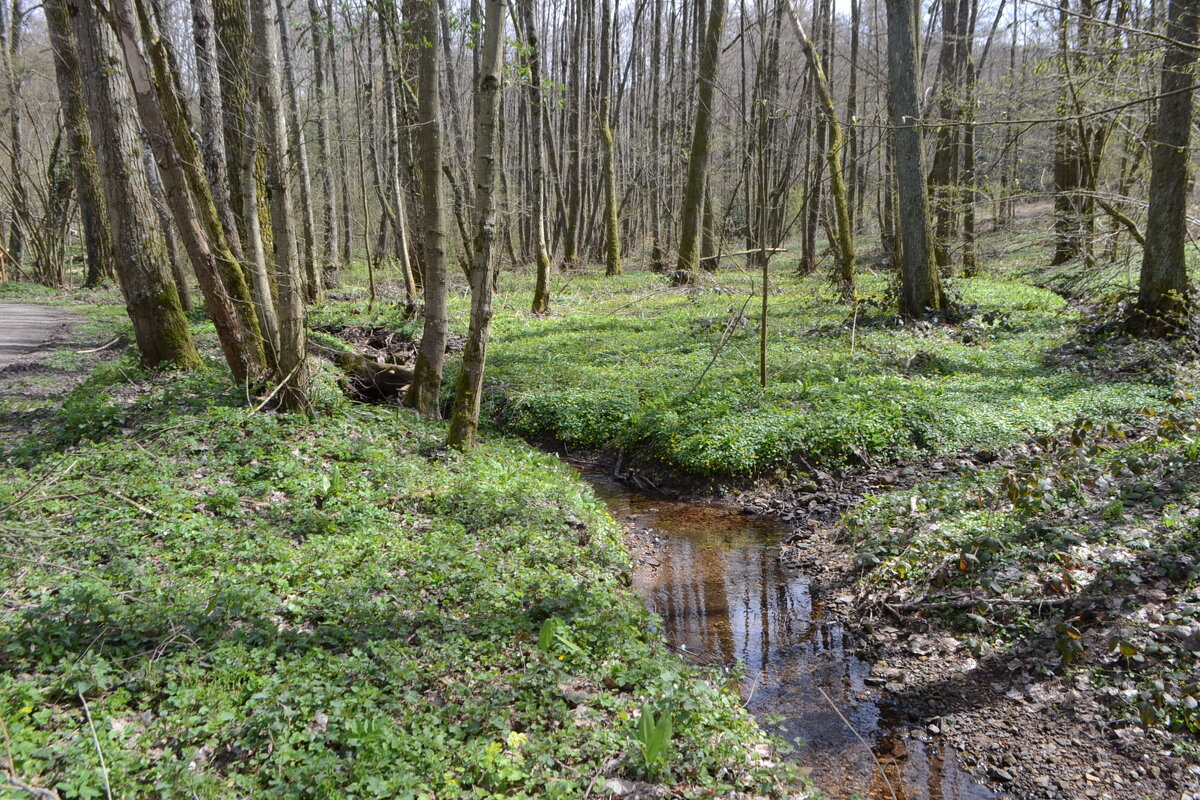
<point x="289" y="281"/>
<point x="533" y="60"/>
<point x="844" y="243"/>
<point x="220" y="274"/>
<point x="139" y="254"/>
<point x="426" y="384"/>
<point x="256" y="256"/>
<point x="692" y="208"/>
<point x="612" y="225"/>
<point x="97" y="235"/>
<point x="1163" y="305"/>
<point x="464" y="422"/>
<point x="298" y="145"/>
<point x="921" y="289"/>
<point x="329" y="244"/>
<point x="212" y="133"/>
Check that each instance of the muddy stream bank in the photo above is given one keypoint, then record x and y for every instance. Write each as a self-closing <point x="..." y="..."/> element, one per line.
<point x="714" y="575"/>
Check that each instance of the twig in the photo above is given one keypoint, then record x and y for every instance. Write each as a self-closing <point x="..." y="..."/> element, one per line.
<point x="96" y="739"/>
<point x="729" y="326"/>
<point x="753" y="689"/>
<point x="637" y="300"/>
<point x="878" y="765"/>
<point x="967" y="602"/>
<point x="147" y="511"/>
<point x="854" y="328"/>
<point x="11" y="781"/>
<point x="100" y="348"/>
<point x="745" y="253"/>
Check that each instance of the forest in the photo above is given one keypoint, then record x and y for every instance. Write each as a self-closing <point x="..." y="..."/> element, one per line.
<point x="599" y="398"/>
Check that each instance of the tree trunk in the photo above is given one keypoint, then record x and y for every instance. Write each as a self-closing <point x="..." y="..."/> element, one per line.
<point x="844" y="244"/>
<point x="692" y="208"/>
<point x="256" y="256"/>
<point x="16" y="143"/>
<point x="921" y="289"/>
<point x="612" y="226"/>
<point x="158" y="197"/>
<point x="299" y="146"/>
<point x="426" y="384"/>
<point x="573" y="142"/>
<point x="329" y="244"/>
<point x="335" y="83"/>
<point x="220" y="275"/>
<point x="289" y="280"/>
<point x="139" y="254"/>
<point x="464" y="422"/>
<point x="533" y="60"/>
<point x="212" y="134"/>
<point x="97" y="235"/>
<point x="1163" y="304"/>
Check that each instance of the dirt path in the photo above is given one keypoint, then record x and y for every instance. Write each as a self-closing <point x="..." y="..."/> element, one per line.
<point x="35" y="373"/>
<point x="25" y="328"/>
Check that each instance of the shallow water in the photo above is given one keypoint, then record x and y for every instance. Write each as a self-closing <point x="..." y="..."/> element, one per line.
<point x="725" y="598"/>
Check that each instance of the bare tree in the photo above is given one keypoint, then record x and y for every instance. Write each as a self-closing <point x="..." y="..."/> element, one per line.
<point x="1163" y="304"/>
<point x="289" y="280"/>
<point x="97" y="236"/>
<point x="426" y="384"/>
<point x="464" y="422"/>
<point x="693" y="196"/>
<point x="921" y="289"/>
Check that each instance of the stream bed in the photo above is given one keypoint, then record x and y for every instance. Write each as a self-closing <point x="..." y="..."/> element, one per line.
<point x="716" y="580"/>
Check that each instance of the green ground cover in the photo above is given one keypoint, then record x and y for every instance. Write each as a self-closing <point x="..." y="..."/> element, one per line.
<point x="223" y="603"/>
<point x="670" y="376"/>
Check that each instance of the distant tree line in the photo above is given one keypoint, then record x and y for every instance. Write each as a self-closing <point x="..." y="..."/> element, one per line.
<point x="253" y="148"/>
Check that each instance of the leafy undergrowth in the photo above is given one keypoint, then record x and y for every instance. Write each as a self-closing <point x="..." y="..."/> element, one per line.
<point x="1081" y="548"/>
<point x="222" y="603"/>
<point x="670" y="376"/>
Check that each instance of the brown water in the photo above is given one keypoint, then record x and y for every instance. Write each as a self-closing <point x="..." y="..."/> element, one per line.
<point x="724" y="597"/>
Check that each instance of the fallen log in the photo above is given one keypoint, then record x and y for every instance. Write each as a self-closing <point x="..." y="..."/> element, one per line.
<point x="370" y="380"/>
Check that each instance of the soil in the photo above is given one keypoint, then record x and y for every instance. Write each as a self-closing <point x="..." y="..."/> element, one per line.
<point x="1022" y="723"/>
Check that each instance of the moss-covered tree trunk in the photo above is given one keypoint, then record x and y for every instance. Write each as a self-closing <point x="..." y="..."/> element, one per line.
<point x="93" y="213"/>
<point x="139" y="254"/>
<point x="537" y="156"/>
<point x="844" y="230"/>
<point x="612" y="224"/>
<point x="692" y="209"/>
<point x="179" y="163"/>
<point x="212" y="133"/>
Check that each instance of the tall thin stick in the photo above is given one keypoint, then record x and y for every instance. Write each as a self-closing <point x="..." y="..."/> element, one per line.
<point x="96" y="739"/>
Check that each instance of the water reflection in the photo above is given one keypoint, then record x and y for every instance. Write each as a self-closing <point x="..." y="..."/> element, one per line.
<point x="719" y="587"/>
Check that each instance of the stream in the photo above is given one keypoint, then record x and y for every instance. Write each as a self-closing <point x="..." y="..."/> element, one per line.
<point x="717" y="582"/>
